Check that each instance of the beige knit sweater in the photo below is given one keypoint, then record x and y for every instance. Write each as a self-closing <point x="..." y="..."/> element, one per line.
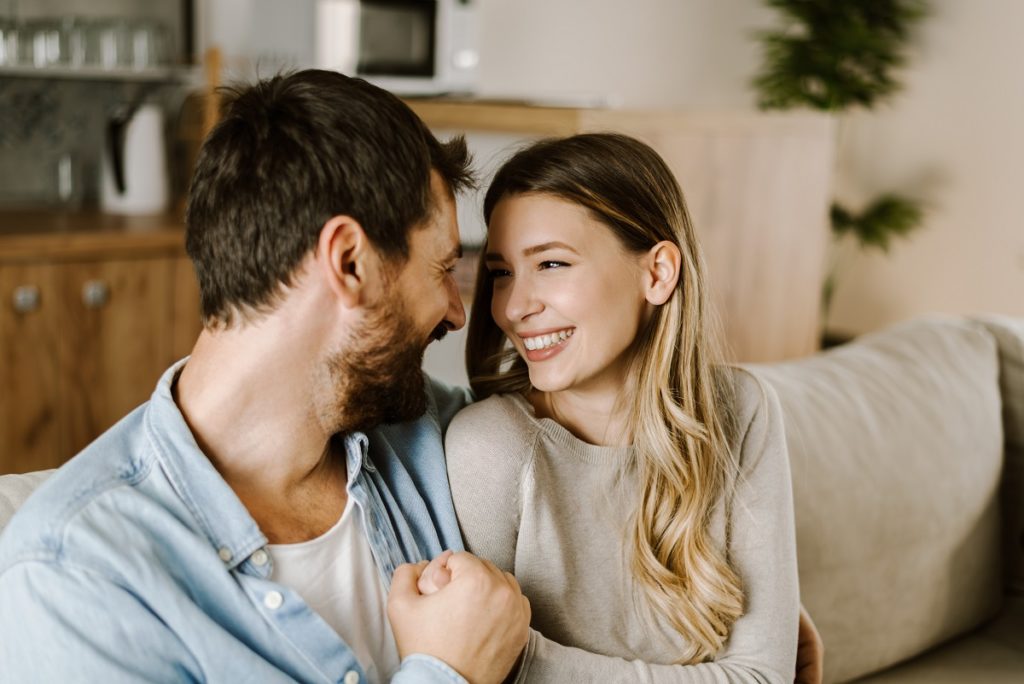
<point x="554" y="511"/>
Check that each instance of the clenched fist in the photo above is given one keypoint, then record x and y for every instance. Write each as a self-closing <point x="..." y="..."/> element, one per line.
<point x="476" y="620"/>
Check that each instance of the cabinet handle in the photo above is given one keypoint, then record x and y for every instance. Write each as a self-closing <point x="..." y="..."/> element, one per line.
<point x="95" y="294"/>
<point x="26" y="299"/>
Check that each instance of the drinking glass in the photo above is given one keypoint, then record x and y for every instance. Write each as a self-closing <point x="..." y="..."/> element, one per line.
<point x="9" y="36"/>
<point x="45" y="43"/>
<point x="148" y="44"/>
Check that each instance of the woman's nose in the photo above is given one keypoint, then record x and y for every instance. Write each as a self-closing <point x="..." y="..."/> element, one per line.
<point x="522" y="300"/>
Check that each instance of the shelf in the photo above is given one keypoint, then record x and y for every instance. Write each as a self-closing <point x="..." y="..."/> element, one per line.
<point x="153" y="75"/>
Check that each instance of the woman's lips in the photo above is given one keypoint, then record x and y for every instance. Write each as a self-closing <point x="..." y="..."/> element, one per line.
<point x="550" y="344"/>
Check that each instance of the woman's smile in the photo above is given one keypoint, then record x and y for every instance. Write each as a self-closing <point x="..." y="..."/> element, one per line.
<point x="542" y="346"/>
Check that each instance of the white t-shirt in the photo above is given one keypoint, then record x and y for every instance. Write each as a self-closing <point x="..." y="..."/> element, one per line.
<point x="335" y="574"/>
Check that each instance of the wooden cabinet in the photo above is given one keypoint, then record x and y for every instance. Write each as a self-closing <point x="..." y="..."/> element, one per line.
<point x="88" y="322"/>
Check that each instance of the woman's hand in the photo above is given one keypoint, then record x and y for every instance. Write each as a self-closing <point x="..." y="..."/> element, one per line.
<point x="810" y="652"/>
<point x="435" y="575"/>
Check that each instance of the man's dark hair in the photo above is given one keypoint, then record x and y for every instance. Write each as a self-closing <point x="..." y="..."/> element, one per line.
<point x="291" y="152"/>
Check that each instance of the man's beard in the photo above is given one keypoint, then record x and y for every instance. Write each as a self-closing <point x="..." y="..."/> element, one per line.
<point x="378" y="378"/>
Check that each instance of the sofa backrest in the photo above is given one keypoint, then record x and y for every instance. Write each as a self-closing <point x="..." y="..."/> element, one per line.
<point x="1009" y="335"/>
<point x="14" y="489"/>
<point x="896" y="448"/>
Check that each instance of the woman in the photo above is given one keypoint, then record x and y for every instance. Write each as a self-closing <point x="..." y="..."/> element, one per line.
<point x="638" y="490"/>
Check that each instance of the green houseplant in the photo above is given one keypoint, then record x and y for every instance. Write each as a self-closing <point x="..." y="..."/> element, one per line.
<point x="836" y="56"/>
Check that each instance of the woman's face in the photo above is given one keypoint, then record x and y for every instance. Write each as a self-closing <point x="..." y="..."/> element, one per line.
<point x="566" y="292"/>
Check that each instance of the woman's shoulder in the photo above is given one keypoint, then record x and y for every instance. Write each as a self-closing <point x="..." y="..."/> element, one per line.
<point x="501" y="425"/>
<point x="756" y="415"/>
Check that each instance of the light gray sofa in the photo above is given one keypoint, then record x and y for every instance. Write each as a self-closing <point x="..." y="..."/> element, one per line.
<point x="907" y="451"/>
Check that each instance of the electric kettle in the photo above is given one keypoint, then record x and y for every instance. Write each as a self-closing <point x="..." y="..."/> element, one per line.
<point x="133" y="175"/>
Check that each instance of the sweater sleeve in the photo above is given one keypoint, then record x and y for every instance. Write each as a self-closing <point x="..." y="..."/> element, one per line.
<point x="761" y="548"/>
<point x="488" y="448"/>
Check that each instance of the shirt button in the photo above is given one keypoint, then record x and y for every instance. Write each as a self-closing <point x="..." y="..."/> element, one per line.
<point x="273" y="600"/>
<point x="351" y="677"/>
<point x="260" y="557"/>
<point x="224" y="553"/>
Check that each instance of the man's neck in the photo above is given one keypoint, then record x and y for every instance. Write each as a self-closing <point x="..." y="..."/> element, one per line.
<point x="249" y="404"/>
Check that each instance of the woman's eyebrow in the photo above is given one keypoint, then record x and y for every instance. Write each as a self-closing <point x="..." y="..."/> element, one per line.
<point x="530" y="251"/>
<point x="537" y="249"/>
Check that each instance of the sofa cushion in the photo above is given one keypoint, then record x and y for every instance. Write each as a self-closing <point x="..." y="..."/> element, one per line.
<point x="1009" y="335"/>
<point x="896" y="449"/>
<point x="993" y="654"/>
<point x="14" y="489"/>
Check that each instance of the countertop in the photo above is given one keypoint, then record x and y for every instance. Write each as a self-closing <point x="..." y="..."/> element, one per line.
<point x="33" y="235"/>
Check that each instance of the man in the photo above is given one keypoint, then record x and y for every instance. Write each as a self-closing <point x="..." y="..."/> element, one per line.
<point x="245" y="523"/>
<point x="283" y="489"/>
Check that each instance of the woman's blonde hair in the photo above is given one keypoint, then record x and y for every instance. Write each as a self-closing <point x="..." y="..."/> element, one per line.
<point x="680" y="415"/>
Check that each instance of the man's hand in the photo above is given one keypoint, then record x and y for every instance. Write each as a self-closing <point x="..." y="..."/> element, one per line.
<point x="810" y="652"/>
<point x="477" y="622"/>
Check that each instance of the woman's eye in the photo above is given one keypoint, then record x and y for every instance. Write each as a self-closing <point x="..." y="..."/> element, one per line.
<point x="497" y="273"/>
<point x="552" y="264"/>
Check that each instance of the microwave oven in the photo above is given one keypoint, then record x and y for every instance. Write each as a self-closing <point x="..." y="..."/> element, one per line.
<point x="410" y="47"/>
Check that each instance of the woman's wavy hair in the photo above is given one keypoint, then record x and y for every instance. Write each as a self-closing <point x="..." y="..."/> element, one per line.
<point x="680" y="409"/>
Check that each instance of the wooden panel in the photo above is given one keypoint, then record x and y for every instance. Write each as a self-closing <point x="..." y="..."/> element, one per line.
<point x="478" y="116"/>
<point x="29" y="380"/>
<point x="758" y="193"/>
<point x="111" y="355"/>
<point x="186" y="320"/>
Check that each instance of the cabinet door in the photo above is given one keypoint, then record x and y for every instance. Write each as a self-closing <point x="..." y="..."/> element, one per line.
<point x="186" y="319"/>
<point x="115" y="341"/>
<point x="29" y="377"/>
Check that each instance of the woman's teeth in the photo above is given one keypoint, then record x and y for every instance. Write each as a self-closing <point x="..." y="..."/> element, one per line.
<point x="545" y="341"/>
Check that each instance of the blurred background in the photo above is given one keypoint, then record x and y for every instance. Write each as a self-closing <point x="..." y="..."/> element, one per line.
<point x="848" y="166"/>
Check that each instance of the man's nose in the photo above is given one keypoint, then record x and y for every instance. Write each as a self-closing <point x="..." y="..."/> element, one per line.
<point x="455" y="317"/>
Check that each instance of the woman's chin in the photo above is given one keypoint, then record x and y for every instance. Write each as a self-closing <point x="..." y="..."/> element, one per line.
<point x="545" y="383"/>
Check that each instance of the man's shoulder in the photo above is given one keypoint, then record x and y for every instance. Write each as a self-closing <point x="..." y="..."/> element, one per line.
<point x="446" y="400"/>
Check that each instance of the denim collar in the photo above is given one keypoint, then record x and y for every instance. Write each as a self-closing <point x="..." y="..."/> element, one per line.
<point x="221" y="515"/>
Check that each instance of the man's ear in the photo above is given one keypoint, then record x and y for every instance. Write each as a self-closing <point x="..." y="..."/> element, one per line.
<point x="661" y="272"/>
<point x="346" y="259"/>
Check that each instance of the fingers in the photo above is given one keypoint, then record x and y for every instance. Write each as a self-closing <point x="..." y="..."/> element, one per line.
<point x="435" y="576"/>
<point x="404" y="579"/>
<point x="511" y="579"/>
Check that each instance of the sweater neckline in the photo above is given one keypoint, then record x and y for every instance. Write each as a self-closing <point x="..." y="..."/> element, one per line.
<point x="568" y="442"/>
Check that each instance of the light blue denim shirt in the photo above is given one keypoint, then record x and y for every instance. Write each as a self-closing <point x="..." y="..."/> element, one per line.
<point x="137" y="562"/>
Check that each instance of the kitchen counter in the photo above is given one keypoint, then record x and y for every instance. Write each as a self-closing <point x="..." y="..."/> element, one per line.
<point x="31" y="235"/>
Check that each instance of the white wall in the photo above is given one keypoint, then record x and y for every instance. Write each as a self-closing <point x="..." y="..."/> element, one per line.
<point x="642" y="53"/>
<point x="954" y="137"/>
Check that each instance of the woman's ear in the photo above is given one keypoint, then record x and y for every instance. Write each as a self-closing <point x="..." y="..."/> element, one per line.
<point x="345" y="258"/>
<point x="661" y="271"/>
